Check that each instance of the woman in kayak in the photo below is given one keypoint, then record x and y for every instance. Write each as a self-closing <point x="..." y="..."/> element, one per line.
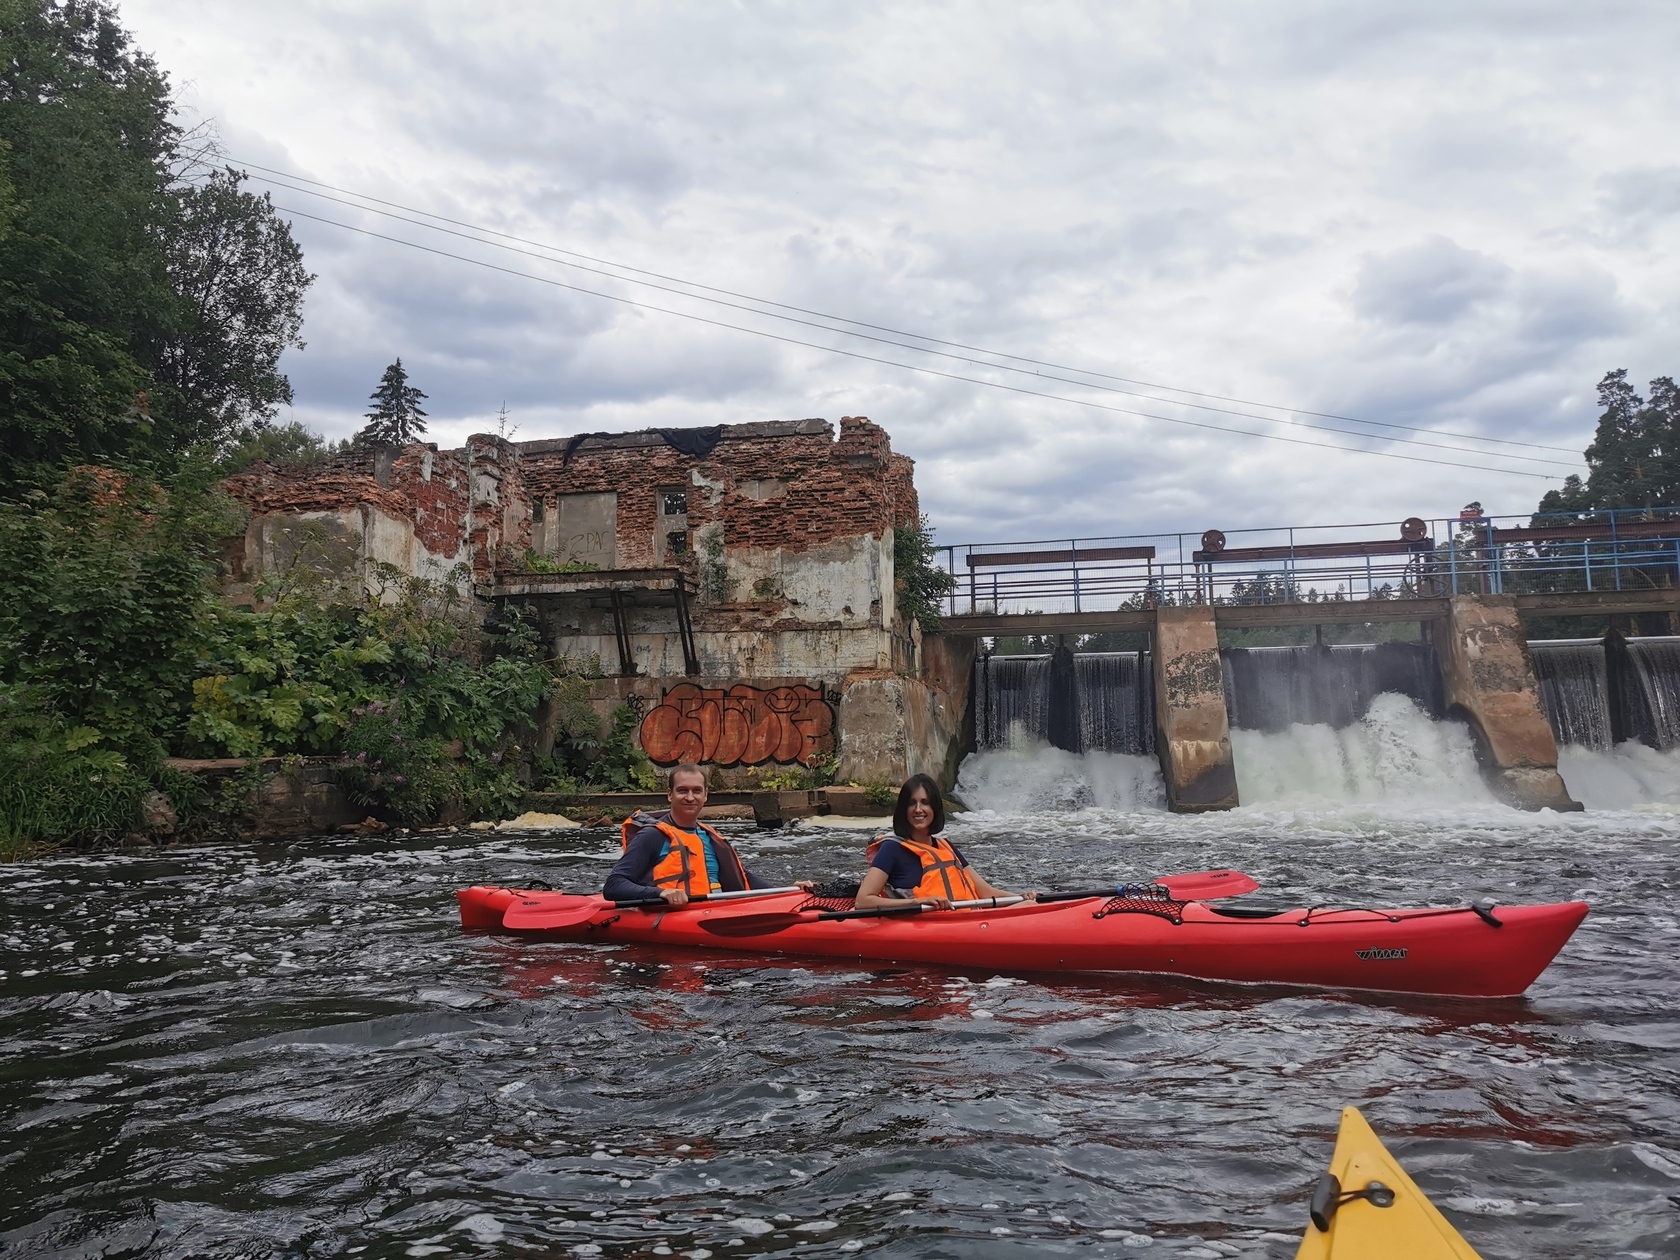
<point x="916" y="862"/>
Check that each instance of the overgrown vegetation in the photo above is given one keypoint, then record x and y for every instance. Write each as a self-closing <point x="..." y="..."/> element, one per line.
<point x="115" y="651"/>
<point x="920" y="583"/>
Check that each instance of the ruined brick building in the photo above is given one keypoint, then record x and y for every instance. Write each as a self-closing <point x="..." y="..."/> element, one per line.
<point x="735" y="584"/>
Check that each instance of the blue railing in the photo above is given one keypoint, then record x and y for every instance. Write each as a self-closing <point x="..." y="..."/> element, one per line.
<point x="1418" y="557"/>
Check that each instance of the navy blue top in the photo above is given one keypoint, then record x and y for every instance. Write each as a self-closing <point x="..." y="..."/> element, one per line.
<point x="631" y="876"/>
<point x="903" y="868"/>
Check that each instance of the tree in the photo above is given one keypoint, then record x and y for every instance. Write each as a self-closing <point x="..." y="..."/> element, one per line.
<point x="141" y="313"/>
<point x="240" y="277"/>
<point x="921" y="584"/>
<point x="396" y="417"/>
<point x="1634" y="458"/>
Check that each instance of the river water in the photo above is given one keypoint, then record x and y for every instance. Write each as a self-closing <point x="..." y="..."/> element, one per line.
<point x="292" y="1050"/>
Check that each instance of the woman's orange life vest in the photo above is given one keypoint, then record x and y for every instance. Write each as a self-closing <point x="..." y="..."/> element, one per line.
<point x="685" y="865"/>
<point x="943" y="874"/>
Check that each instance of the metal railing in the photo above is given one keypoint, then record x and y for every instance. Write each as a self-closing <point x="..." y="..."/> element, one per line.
<point x="1611" y="550"/>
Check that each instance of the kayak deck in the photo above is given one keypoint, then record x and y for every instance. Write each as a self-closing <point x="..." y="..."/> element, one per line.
<point x="1445" y="951"/>
<point x="1401" y="1224"/>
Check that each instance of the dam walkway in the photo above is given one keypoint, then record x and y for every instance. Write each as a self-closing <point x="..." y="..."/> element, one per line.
<point x="1600" y="563"/>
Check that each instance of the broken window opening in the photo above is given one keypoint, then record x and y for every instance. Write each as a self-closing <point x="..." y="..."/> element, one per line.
<point x="676" y="543"/>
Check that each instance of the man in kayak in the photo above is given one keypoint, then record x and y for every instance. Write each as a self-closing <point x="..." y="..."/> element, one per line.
<point x="672" y="854"/>
<point x="916" y="862"/>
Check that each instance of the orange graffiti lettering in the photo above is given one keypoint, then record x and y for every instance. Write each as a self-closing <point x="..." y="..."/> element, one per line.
<point x="743" y="726"/>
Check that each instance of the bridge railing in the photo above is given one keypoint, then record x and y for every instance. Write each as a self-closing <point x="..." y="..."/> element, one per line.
<point x="1611" y="550"/>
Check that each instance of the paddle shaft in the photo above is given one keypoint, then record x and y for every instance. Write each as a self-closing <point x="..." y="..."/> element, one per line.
<point x="911" y="907"/>
<point x="659" y="903"/>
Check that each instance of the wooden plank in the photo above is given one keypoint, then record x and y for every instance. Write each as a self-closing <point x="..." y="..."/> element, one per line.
<point x="1308" y="551"/>
<point x="999" y="559"/>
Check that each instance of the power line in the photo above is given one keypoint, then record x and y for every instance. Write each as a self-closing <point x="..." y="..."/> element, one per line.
<point x="910" y="367"/>
<point x="1535" y="459"/>
<point x="999" y="354"/>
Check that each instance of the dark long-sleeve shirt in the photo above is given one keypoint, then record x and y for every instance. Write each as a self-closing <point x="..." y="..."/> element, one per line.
<point x="631" y="878"/>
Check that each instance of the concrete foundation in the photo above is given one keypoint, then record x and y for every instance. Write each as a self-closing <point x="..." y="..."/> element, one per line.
<point x="1193" y="737"/>
<point x="892" y="727"/>
<point x="1489" y="680"/>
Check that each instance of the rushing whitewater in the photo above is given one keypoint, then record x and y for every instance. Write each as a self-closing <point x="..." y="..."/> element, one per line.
<point x="1396" y="756"/>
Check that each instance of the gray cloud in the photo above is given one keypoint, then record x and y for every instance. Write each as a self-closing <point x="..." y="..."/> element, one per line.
<point x="1450" y="215"/>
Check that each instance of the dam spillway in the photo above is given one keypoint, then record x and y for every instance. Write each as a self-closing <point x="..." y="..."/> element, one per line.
<point x="1318" y="706"/>
<point x="1115" y="701"/>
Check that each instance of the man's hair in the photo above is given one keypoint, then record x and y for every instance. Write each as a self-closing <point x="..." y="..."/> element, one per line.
<point x="901" y="815"/>
<point x="687" y="767"/>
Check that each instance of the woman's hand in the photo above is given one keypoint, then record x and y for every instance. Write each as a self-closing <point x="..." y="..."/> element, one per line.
<point x="936" y="903"/>
<point x="1030" y="895"/>
<point x="805" y="885"/>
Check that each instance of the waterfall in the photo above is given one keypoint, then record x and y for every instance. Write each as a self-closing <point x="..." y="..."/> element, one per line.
<point x="1117" y="702"/>
<point x="1011" y="700"/>
<point x="1031" y="778"/>
<point x="1575" y="688"/>
<point x="1654" y="662"/>
<point x="1112" y="702"/>
<point x="1273" y="688"/>
<point x="1394" y="753"/>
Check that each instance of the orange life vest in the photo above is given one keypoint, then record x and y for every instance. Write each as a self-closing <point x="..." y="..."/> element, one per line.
<point x="943" y="874"/>
<point x="685" y="865"/>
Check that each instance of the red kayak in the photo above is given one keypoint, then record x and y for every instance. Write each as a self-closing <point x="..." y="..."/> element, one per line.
<point x="1466" y="952"/>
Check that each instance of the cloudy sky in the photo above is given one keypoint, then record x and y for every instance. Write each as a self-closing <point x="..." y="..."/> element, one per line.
<point x="1447" y="215"/>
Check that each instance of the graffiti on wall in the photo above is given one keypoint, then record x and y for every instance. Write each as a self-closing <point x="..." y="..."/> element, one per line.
<point x="740" y="726"/>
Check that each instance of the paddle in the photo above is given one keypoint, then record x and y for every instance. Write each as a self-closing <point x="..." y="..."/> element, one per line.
<point x="1199" y="886"/>
<point x="546" y="916"/>
<point x="760" y="924"/>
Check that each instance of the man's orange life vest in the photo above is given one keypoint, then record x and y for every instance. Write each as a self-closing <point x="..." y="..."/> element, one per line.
<point x="685" y="865"/>
<point x="943" y="875"/>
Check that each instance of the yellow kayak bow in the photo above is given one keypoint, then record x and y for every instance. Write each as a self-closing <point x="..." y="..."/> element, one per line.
<point x="1367" y="1208"/>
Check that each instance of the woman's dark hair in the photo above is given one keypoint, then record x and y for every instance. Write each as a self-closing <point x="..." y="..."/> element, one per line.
<point x="901" y="815"/>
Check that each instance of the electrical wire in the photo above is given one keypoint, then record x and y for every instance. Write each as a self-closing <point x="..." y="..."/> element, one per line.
<point x="1535" y="459"/>
<point x="911" y="367"/>
<point x="999" y="354"/>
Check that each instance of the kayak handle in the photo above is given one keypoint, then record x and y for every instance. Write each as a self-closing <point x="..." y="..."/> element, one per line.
<point x="1483" y="906"/>
<point x="1327" y="1197"/>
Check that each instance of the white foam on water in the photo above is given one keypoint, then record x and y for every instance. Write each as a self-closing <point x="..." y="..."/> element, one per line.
<point x="1394" y="761"/>
<point x="1029" y="777"/>
<point x="1630" y="776"/>
<point x="1396" y="753"/>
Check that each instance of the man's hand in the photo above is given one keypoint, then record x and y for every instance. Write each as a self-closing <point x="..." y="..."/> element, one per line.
<point x="805" y="885"/>
<point x="1030" y="895"/>
<point x="675" y="896"/>
<point x="937" y="903"/>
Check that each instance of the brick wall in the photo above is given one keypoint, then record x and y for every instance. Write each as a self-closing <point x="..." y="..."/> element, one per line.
<point x="781" y="485"/>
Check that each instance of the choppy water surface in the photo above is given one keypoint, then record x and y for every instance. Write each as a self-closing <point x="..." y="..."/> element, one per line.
<point x="293" y="1050"/>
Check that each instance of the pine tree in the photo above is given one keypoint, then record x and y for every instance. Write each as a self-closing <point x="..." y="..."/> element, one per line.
<point x="396" y="417"/>
<point x="1634" y="459"/>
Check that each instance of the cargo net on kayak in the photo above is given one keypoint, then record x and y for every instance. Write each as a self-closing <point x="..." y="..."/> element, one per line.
<point x="836" y="894"/>
<point x="1143" y="899"/>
